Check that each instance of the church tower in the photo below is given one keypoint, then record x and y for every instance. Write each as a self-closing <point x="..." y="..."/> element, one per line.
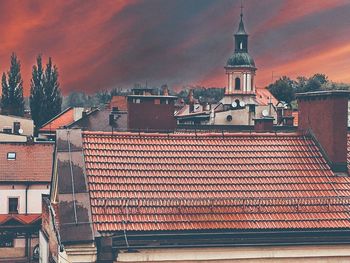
<point x="240" y="67"/>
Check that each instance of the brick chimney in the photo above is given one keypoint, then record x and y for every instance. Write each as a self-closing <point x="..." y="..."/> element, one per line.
<point x="151" y="113"/>
<point x="264" y="124"/>
<point x="324" y="115"/>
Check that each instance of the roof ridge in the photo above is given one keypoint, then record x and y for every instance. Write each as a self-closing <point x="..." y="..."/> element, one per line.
<point x="186" y="135"/>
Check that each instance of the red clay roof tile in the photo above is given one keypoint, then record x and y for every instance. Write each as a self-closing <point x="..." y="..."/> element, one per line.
<point x="211" y="181"/>
<point x="32" y="163"/>
<point x="64" y="118"/>
<point x="24" y="219"/>
<point x="120" y="102"/>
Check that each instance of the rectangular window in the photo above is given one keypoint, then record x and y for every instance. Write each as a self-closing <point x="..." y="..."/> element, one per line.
<point x="6" y="241"/>
<point x="156" y="101"/>
<point x="16" y="127"/>
<point x="13" y="205"/>
<point x="11" y="156"/>
<point x="7" y="130"/>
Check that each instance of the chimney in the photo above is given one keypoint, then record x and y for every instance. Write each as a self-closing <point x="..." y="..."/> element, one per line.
<point x="111" y="120"/>
<point x="264" y="124"/>
<point x="323" y="115"/>
<point x="191" y="101"/>
<point x="165" y="90"/>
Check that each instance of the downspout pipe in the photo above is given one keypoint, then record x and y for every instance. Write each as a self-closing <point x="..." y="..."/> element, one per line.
<point x="27" y="187"/>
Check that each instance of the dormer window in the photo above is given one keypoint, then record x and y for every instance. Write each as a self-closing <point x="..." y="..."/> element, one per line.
<point x="11" y="156"/>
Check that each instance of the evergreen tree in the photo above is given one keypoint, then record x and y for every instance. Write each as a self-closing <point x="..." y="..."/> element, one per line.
<point x="52" y="94"/>
<point x="36" y="98"/>
<point x="45" y="95"/>
<point x="12" y="101"/>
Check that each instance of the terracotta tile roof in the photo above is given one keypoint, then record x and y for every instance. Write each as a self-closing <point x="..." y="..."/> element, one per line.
<point x="64" y="118"/>
<point x="23" y="219"/>
<point x="263" y="96"/>
<point x="211" y="181"/>
<point x="120" y="102"/>
<point x="33" y="162"/>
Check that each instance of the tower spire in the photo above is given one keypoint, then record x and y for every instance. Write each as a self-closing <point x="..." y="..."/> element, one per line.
<point x="241" y="30"/>
<point x="241" y="10"/>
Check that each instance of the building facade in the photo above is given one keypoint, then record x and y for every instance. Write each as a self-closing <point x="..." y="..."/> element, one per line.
<point x="25" y="175"/>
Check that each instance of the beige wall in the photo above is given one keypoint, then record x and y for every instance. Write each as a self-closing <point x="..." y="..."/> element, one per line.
<point x="4" y="137"/>
<point x="19" y="190"/>
<point x="27" y="125"/>
<point x="263" y="254"/>
<point x="18" y="249"/>
<point x="242" y="116"/>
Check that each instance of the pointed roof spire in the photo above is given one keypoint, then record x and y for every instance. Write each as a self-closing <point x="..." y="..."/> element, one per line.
<point x="241" y="30"/>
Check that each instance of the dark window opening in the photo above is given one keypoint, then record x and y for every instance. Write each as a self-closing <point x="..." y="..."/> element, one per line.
<point x="237" y="84"/>
<point x="16" y="127"/>
<point x="13" y="205"/>
<point x="6" y="241"/>
<point x="7" y="130"/>
<point x="252" y="108"/>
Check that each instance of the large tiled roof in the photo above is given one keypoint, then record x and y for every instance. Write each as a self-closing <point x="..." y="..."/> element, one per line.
<point x="264" y="97"/>
<point x="63" y="119"/>
<point x="155" y="182"/>
<point x="33" y="162"/>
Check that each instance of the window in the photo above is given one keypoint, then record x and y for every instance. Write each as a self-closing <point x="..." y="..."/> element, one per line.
<point x="156" y="101"/>
<point x="7" y="130"/>
<point x="11" y="156"/>
<point x="237" y="83"/>
<point x="16" y="127"/>
<point x="241" y="46"/>
<point x="6" y="241"/>
<point x="13" y="205"/>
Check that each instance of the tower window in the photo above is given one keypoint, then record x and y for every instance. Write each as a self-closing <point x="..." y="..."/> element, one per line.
<point x="237" y="84"/>
<point x="241" y="45"/>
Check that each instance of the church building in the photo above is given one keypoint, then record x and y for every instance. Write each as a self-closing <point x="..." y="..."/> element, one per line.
<point x="243" y="102"/>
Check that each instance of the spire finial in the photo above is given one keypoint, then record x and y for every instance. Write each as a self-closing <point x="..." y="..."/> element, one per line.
<point x="241" y="9"/>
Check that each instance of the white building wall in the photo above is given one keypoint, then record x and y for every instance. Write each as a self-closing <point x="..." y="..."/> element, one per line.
<point x="262" y="254"/>
<point x="19" y="190"/>
<point x="249" y="82"/>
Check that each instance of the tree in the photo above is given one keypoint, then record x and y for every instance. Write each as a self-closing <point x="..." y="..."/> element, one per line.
<point x="45" y="95"/>
<point x="36" y="98"/>
<point x="283" y="89"/>
<point x="12" y="101"/>
<point x="52" y="94"/>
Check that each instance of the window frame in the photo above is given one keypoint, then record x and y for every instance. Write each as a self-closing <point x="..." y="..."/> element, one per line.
<point x="9" y="154"/>
<point x="8" y="202"/>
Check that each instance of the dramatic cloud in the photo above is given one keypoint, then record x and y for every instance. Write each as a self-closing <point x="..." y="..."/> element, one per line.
<point x="104" y="44"/>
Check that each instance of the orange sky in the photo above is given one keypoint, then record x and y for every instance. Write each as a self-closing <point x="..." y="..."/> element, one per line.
<point x="99" y="45"/>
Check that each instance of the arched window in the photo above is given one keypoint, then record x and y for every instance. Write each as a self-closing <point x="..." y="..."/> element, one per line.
<point x="237" y="84"/>
<point x="241" y="46"/>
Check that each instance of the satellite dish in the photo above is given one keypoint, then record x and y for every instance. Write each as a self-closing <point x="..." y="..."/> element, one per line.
<point x="234" y="104"/>
<point x="265" y="113"/>
<point x="241" y="104"/>
<point x="20" y="131"/>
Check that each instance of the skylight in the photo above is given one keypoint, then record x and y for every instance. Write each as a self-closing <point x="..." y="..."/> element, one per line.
<point x="11" y="156"/>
